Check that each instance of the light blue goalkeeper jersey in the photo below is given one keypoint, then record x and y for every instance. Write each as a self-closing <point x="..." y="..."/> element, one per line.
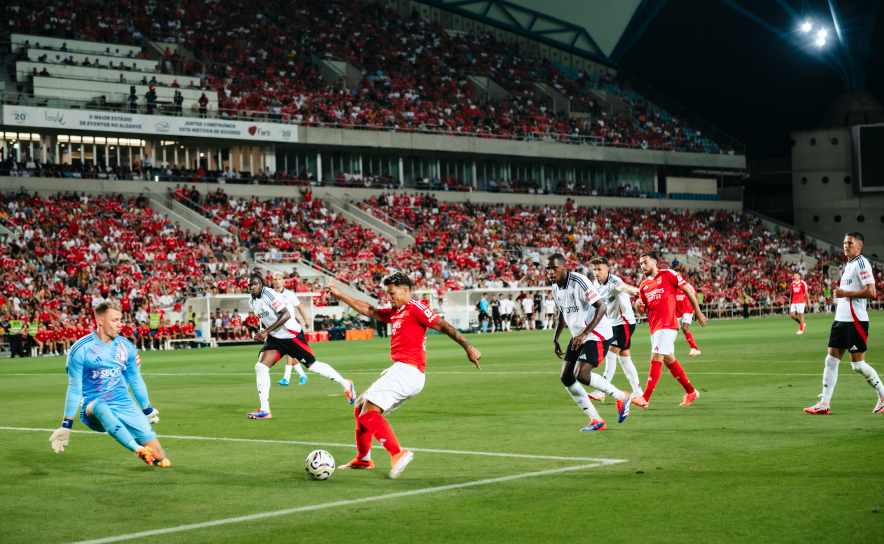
<point x="99" y="371"/>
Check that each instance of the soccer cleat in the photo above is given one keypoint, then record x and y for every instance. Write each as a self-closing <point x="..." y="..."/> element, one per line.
<point x="303" y="380"/>
<point x="639" y="400"/>
<point x="164" y="463"/>
<point x="694" y="351"/>
<point x="800" y="331"/>
<point x="260" y="414"/>
<point x="623" y="408"/>
<point x="594" y="425"/>
<point x="351" y="393"/>
<point x="358" y="464"/>
<point x="819" y="409"/>
<point x="690" y="397"/>
<point x="283" y="382"/>
<point x="400" y="461"/>
<point x="597" y="396"/>
<point x="879" y="408"/>
<point x="145" y="454"/>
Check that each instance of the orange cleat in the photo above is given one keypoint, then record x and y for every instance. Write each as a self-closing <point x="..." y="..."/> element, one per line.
<point x="358" y="463"/>
<point x="690" y="397"/>
<point x="400" y="461"/>
<point x="145" y="454"/>
<point x="819" y="409"/>
<point x="639" y="400"/>
<point x="595" y="425"/>
<point x="164" y="463"/>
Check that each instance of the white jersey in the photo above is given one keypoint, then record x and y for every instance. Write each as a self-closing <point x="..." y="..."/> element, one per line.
<point x="268" y="307"/>
<point x="856" y="275"/>
<point x="549" y="305"/>
<point x="506" y="306"/>
<point x="575" y="301"/>
<point x="291" y="302"/>
<point x="619" y="308"/>
<point x="528" y="305"/>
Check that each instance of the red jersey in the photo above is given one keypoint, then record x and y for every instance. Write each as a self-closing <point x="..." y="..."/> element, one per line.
<point x="658" y="294"/>
<point x="124" y="302"/>
<point x="41" y="336"/>
<point x="408" y="342"/>
<point x="682" y="304"/>
<point x="799" y="289"/>
<point x="143" y="332"/>
<point x="163" y="331"/>
<point x="176" y="329"/>
<point x="252" y="321"/>
<point x="70" y="333"/>
<point x="187" y="329"/>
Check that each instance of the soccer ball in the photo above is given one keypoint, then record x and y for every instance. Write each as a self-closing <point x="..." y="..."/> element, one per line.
<point x="319" y="465"/>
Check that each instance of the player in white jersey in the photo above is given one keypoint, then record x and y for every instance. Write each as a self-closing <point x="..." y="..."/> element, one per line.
<point x="850" y="330"/>
<point x="549" y="312"/>
<point x="615" y="294"/>
<point x="507" y="306"/>
<point x="528" y="308"/>
<point x="282" y="335"/>
<point x="582" y="310"/>
<point x="291" y="302"/>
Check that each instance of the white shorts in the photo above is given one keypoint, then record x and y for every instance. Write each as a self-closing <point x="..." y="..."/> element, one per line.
<point x="396" y="385"/>
<point x="663" y="341"/>
<point x="797" y="308"/>
<point x="686" y="319"/>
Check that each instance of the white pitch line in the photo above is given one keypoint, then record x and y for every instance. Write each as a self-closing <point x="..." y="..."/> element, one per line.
<point x="298" y="443"/>
<point x="276" y="513"/>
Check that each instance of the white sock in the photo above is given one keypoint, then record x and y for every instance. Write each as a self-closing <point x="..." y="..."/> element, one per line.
<point x="610" y="366"/>
<point x="328" y="372"/>
<point x="288" y="371"/>
<point x="582" y="399"/>
<point x="263" y="378"/>
<point x="870" y="375"/>
<point x="631" y="375"/>
<point x="300" y="370"/>
<point x="600" y="384"/>
<point x="830" y="377"/>
<point x="367" y="456"/>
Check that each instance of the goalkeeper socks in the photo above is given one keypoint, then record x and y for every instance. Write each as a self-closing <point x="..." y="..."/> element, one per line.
<point x="112" y="425"/>
<point x="328" y="372"/>
<point x="830" y="378"/>
<point x="861" y="367"/>
<point x="578" y="393"/>
<point x="263" y="379"/>
<point x="363" y="439"/>
<point x="653" y="378"/>
<point x="678" y="373"/>
<point x="380" y="429"/>
<point x="690" y="339"/>
<point x="631" y="374"/>
<point x="600" y="384"/>
<point x="610" y="366"/>
<point x="288" y="371"/>
<point x="299" y="369"/>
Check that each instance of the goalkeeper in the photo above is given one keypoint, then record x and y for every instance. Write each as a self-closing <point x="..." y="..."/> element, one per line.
<point x="101" y="367"/>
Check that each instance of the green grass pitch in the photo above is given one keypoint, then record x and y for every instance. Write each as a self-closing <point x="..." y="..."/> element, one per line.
<point x="743" y="463"/>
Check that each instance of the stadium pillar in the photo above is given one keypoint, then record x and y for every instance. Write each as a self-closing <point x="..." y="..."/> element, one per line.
<point x="239" y="152"/>
<point x="401" y="172"/>
<point x="43" y="150"/>
<point x="118" y="154"/>
<point x="57" y="151"/>
<point x="141" y="157"/>
<point x="106" y="153"/>
<point x="94" y="153"/>
<point x="285" y="160"/>
<point x="153" y="155"/>
<point x="187" y="158"/>
<point x="197" y="156"/>
<point x="475" y="181"/>
<point x="319" y="167"/>
<point x="165" y="161"/>
<point x="31" y="146"/>
<point x="175" y="155"/>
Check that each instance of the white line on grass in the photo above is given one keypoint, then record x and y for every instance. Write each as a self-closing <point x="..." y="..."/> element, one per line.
<point x="264" y="515"/>
<point x="298" y="443"/>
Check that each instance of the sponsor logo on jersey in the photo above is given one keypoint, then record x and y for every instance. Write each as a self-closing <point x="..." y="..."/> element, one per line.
<point x="569" y="309"/>
<point x="105" y="373"/>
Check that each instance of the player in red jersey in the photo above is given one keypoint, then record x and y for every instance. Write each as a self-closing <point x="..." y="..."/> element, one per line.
<point x="657" y="297"/>
<point x="163" y="332"/>
<point x="685" y="314"/>
<point x="799" y="292"/>
<point x="43" y="340"/>
<point x="144" y="339"/>
<point x="403" y="380"/>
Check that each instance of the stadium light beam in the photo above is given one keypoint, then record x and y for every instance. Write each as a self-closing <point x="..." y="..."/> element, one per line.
<point x="822" y="33"/>
<point x="806" y="27"/>
<point x="821" y="41"/>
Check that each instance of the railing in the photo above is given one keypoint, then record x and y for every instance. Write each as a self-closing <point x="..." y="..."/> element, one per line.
<point x="271" y="117"/>
<point x="170" y="203"/>
<point x="393" y="222"/>
<point x="693" y="120"/>
<point x="200" y="210"/>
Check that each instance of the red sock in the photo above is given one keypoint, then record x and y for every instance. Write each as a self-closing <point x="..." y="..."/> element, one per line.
<point x="690" y="339"/>
<point x="363" y="438"/>
<point x="380" y="429"/>
<point x="678" y="373"/>
<point x="653" y="378"/>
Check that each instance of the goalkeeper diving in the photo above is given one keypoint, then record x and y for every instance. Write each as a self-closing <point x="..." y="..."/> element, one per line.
<point x="101" y="367"/>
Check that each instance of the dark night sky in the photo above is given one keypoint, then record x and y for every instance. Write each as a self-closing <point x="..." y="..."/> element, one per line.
<point x="739" y="76"/>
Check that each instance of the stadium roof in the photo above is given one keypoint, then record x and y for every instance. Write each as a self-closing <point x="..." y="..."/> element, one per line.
<point x="602" y="29"/>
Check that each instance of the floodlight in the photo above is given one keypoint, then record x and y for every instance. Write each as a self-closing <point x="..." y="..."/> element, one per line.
<point x="822" y="33"/>
<point x="806" y="27"/>
<point x="821" y="41"/>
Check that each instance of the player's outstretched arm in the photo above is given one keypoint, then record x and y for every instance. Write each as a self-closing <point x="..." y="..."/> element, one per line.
<point x="445" y="327"/>
<point x="628" y="289"/>
<point x="360" y="306"/>
<point x="284" y="316"/>
<point x="689" y="292"/>
<point x="559" y="328"/>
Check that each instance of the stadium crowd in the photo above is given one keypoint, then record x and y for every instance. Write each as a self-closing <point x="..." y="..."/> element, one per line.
<point x="262" y="58"/>
<point x="74" y="250"/>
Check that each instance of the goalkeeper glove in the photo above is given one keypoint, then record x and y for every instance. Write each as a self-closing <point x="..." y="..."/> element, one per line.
<point x="153" y="415"/>
<point x="62" y="436"/>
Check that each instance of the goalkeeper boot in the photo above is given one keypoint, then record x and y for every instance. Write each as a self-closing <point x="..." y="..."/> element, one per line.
<point x="164" y="463"/>
<point x="145" y="454"/>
